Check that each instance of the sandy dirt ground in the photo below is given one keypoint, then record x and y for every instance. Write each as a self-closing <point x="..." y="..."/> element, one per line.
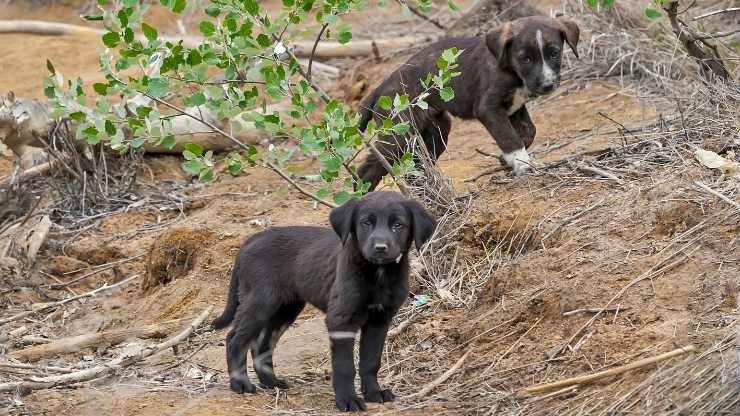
<point x="516" y="320"/>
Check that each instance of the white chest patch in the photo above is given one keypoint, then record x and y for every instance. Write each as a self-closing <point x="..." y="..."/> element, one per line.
<point x="521" y="96"/>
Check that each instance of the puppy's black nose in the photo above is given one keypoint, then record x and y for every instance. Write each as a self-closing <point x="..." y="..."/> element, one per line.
<point x="381" y="247"/>
<point x="548" y="87"/>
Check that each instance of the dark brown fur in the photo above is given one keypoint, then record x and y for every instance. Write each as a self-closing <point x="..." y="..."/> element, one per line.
<point x="490" y="76"/>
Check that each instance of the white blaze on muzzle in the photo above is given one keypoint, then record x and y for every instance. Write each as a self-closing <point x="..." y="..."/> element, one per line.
<point x="548" y="75"/>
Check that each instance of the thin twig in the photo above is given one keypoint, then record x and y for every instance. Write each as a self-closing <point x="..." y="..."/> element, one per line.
<point x="441" y="379"/>
<point x="48" y="306"/>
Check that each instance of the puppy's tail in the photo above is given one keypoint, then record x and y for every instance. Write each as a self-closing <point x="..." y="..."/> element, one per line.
<point x="231" y="304"/>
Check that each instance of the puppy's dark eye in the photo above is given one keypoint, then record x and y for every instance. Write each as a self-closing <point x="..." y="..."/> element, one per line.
<point x="366" y="223"/>
<point x="526" y="60"/>
<point x="397" y="226"/>
<point x="554" y="54"/>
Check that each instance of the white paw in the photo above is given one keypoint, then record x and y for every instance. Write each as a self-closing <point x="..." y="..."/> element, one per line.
<point x="518" y="160"/>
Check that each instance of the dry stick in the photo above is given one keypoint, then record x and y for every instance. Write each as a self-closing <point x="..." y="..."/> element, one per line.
<point x="573" y="218"/>
<point x="580" y="380"/>
<point x="599" y="172"/>
<point x="48" y="306"/>
<point x="108" y="338"/>
<point x="703" y="186"/>
<point x="313" y="51"/>
<point x="36" y="367"/>
<point x="441" y="379"/>
<point x="400" y="328"/>
<point x="728" y="10"/>
<point x="107" y="368"/>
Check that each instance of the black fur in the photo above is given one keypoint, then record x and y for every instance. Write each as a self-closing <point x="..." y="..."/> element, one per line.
<point x="357" y="274"/>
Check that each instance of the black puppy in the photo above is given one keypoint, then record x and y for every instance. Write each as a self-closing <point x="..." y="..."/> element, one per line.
<point x="356" y="274"/>
<point x="500" y="72"/>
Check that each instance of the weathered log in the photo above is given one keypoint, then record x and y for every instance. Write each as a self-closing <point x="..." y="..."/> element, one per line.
<point x="98" y="339"/>
<point x="107" y="368"/>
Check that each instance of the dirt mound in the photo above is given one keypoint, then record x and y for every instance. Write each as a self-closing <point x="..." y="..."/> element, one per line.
<point x="511" y="231"/>
<point x="173" y="255"/>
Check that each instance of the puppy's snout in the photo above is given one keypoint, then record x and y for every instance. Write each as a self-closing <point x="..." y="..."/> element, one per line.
<point x="548" y="87"/>
<point x="381" y="247"/>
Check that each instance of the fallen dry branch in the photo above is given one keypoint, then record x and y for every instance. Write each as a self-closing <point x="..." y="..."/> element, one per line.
<point x="581" y="380"/>
<point x="30" y="173"/>
<point x="703" y="186"/>
<point x="441" y="379"/>
<point x="106" y="338"/>
<point x="705" y="54"/>
<point x="108" y="368"/>
<point x="47" y="306"/>
<point x="303" y="49"/>
<point x="38" y="27"/>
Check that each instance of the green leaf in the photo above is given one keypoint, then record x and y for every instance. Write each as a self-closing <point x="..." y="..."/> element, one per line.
<point x="110" y="128"/>
<point x="143" y="111"/>
<point x="93" y="18"/>
<point x="194" y="148"/>
<point x="213" y="10"/>
<point x="323" y="192"/>
<point x="50" y="67"/>
<point x="100" y="88"/>
<point x="450" y="55"/>
<point x="263" y="40"/>
<point x="447" y="94"/>
<point x="454" y="7"/>
<point x="193" y="167"/>
<point x="401" y="128"/>
<point x="592" y="3"/>
<point x="607" y="3"/>
<point x="652" y="13"/>
<point x="194" y="57"/>
<point x="207" y="28"/>
<point x="344" y="37"/>
<point x="197" y="99"/>
<point x="111" y="39"/>
<point x="341" y="197"/>
<point x="78" y="116"/>
<point x="168" y="141"/>
<point x="206" y="175"/>
<point x="385" y="102"/>
<point x="149" y="32"/>
<point x="158" y="87"/>
<point x="252" y="7"/>
<point x="735" y="44"/>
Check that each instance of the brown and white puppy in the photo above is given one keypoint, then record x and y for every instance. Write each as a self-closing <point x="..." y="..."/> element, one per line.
<point x="500" y="72"/>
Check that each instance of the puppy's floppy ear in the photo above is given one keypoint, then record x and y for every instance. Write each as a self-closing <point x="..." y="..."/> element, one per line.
<point x="341" y="219"/>
<point x="570" y="30"/>
<point x="423" y="223"/>
<point x="498" y="42"/>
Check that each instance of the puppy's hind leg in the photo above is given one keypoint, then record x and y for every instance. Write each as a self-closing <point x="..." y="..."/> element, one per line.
<point x="252" y="317"/>
<point x="264" y="347"/>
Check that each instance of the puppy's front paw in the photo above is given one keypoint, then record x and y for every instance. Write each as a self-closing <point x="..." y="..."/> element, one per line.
<point x="380" y="396"/>
<point x="520" y="168"/>
<point x="241" y="385"/>
<point x="518" y="160"/>
<point x="350" y="403"/>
